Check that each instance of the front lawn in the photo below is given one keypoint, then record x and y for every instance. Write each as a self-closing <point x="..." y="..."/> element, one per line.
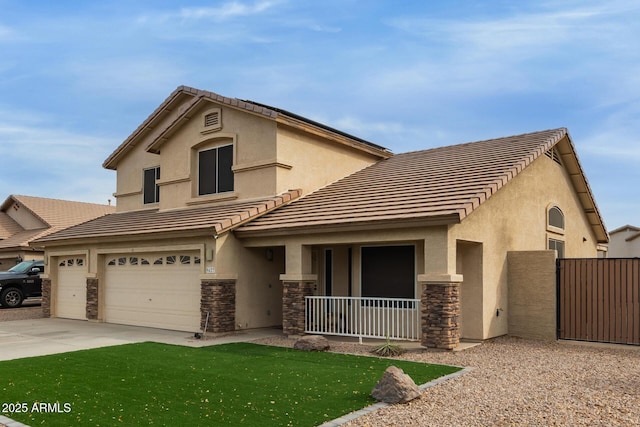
<point x="159" y="384"/>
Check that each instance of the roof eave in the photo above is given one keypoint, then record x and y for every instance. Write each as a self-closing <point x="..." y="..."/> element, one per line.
<point x="579" y="180"/>
<point x="351" y="226"/>
<point x="167" y="106"/>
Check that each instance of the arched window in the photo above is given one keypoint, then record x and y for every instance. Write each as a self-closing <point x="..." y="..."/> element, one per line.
<point x="556" y="218"/>
<point x="555" y="230"/>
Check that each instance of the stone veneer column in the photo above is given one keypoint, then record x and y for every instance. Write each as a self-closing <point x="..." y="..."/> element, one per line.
<point x="92" y="298"/>
<point x="440" y="303"/>
<point x="293" y="305"/>
<point x="46" y="297"/>
<point x="218" y="297"/>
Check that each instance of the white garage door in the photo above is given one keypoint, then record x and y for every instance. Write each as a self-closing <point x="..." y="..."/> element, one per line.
<point x="71" y="292"/>
<point x="155" y="290"/>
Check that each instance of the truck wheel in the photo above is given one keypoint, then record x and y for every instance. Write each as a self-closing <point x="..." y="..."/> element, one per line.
<point x="11" y="297"/>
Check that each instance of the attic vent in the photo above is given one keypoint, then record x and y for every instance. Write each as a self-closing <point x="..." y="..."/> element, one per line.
<point x="212" y="120"/>
<point x="553" y="155"/>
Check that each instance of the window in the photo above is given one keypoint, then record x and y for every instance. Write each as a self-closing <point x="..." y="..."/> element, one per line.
<point x="556" y="218"/>
<point x="555" y="227"/>
<point x="151" y="190"/>
<point x="214" y="170"/>
<point x="558" y="246"/>
<point x="388" y="271"/>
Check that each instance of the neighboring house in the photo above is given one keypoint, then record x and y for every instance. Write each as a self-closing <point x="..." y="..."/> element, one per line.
<point x="26" y="218"/>
<point x="624" y="242"/>
<point x="231" y="212"/>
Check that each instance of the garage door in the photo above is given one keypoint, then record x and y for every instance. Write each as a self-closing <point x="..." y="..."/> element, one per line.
<point x="155" y="290"/>
<point x="71" y="292"/>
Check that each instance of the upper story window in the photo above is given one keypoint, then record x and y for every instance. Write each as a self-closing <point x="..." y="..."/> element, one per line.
<point x="151" y="190"/>
<point x="555" y="229"/>
<point x="555" y="218"/>
<point x="214" y="170"/>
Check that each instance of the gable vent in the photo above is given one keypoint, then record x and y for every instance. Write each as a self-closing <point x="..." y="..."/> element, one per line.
<point x="553" y="155"/>
<point x="212" y="119"/>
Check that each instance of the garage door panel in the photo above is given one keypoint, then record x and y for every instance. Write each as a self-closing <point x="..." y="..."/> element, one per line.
<point x="71" y="290"/>
<point x="155" y="290"/>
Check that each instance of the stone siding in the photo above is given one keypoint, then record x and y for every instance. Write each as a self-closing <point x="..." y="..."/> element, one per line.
<point x="440" y="304"/>
<point x="293" y="305"/>
<point x="218" y="298"/>
<point x="92" y="298"/>
<point x="46" y="297"/>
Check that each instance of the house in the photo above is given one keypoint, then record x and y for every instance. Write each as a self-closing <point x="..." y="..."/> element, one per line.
<point x="230" y="213"/>
<point x="624" y="242"/>
<point x="26" y="218"/>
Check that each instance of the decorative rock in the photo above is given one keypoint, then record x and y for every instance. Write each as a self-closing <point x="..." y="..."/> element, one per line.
<point x="312" y="343"/>
<point x="395" y="387"/>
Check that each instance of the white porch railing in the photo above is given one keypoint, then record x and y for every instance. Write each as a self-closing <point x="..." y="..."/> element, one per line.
<point x="363" y="317"/>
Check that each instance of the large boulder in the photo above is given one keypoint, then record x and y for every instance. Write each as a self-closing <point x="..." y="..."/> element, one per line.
<point x="395" y="387"/>
<point x="312" y="343"/>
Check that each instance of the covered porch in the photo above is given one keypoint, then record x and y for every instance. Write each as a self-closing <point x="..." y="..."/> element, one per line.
<point x="404" y="285"/>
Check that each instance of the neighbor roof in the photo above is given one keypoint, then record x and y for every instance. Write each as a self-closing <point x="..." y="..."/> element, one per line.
<point x="188" y="100"/>
<point x="437" y="186"/>
<point x="53" y="213"/>
<point x="215" y="219"/>
<point x="8" y="227"/>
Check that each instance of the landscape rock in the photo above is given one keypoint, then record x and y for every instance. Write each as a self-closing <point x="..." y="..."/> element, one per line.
<point x="312" y="343"/>
<point x="395" y="387"/>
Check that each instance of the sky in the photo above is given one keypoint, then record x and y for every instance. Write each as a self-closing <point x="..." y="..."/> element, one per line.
<point x="77" y="77"/>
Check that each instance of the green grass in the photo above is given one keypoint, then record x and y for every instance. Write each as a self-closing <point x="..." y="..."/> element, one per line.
<point x="233" y="384"/>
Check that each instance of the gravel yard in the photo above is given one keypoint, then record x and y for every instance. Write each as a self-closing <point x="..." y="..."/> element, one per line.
<point x="30" y="310"/>
<point x="519" y="382"/>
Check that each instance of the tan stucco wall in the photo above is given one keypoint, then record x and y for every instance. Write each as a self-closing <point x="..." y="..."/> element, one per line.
<point x="258" y="285"/>
<point x="268" y="159"/>
<point x="515" y="219"/>
<point x="532" y="294"/>
<point x="315" y="162"/>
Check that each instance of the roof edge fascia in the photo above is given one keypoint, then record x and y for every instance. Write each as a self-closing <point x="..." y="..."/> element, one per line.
<point x="123" y="148"/>
<point x="599" y="229"/>
<point x="351" y="226"/>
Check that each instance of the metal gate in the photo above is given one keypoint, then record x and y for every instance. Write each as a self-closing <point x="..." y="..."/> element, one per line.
<point x="599" y="300"/>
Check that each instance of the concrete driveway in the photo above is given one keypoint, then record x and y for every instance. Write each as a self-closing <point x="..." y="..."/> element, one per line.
<point x="38" y="337"/>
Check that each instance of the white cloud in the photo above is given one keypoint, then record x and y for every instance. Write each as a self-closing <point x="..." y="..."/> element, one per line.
<point x="43" y="160"/>
<point x="226" y="11"/>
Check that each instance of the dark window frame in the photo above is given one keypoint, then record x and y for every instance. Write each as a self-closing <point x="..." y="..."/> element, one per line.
<point x="215" y="170"/>
<point x="150" y="187"/>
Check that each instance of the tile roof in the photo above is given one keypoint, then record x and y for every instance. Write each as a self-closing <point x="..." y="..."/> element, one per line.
<point x="215" y="219"/>
<point x="53" y="213"/>
<point x="8" y="226"/>
<point x="440" y="185"/>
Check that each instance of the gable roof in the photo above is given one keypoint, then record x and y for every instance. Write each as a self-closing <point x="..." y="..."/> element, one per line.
<point x="215" y="219"/>
<point x="437" y="186"/>
<point x="53" y="213"/>
<point x="186" y="101"/>
<point x="8" y="226"/>
<point x="634" y="231"/>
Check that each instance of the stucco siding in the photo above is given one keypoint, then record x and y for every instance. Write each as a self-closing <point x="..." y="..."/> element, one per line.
<point x="515" y="219"/>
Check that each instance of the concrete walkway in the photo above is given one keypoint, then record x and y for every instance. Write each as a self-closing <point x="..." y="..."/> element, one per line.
<point x="38" y="337"/>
